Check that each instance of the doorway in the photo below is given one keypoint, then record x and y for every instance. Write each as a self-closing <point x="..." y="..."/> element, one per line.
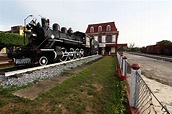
<point x="107" y="50"/>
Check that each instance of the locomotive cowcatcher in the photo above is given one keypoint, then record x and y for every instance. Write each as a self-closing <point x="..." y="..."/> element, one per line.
<point x="47" y="45"/>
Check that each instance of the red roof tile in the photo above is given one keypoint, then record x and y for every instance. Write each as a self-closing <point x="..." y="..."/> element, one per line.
<point x="104" y="26"/>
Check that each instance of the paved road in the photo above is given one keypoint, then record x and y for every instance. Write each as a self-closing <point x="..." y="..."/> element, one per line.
<point x="158" y="71"/>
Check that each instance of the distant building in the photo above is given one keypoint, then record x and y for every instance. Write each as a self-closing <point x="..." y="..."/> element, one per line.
<point x="107" y="36"/>
<point x="3" y="50"/>
<point x="17" y="29"/>
<point x="14" y="29"/>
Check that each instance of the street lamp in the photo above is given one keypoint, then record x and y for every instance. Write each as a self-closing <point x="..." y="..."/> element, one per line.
<point x="25" y="28"/>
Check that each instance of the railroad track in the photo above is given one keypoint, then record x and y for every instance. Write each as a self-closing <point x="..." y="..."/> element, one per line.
<point x="13" y="68"/>
<point x="5" y="59"/>
<point x="165" y="58"/>
<point x="6" y="62"/>
<point x="28" y="75"/>
<point x="14" y="71"/>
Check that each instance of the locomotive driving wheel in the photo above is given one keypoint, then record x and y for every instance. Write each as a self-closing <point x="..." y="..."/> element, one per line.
<point x="77" y="53"/>
<point x="43" y="60"/>
<point x="64" y="54"/>
<point x="81" y="52"/>
<point x="71" y="54"/>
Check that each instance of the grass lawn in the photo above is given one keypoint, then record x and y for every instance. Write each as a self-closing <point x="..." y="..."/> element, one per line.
<point x="93" y="90"/>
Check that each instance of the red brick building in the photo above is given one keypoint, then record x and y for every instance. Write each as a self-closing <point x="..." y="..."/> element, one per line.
<point x="107" y="36"/>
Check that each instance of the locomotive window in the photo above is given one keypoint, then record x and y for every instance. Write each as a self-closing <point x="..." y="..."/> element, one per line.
<point x="100" y="29"/>
<point x="108" y="28"/>
<point x="92" y="29"/>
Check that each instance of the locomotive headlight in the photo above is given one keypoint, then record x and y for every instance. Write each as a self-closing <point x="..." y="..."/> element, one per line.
<point x="35" y="35"/>
<point x="52" y="36"/>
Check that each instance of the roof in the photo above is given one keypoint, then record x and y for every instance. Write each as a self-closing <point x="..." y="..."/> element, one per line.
<point x="104" y="25"/>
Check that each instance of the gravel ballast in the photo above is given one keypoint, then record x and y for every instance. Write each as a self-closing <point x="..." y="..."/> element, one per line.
<point x="45" y="73"/>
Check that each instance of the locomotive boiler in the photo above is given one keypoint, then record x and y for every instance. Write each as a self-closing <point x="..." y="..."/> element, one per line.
<point x="47" y="45"/>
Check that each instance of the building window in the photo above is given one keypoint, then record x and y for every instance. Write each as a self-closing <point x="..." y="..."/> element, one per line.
<point x="100" y="29"/>
<point x="109" y="39"/>
<point x="100" y="39"/>
<point x="92" y="29"/>
<point x="108" y="28"/>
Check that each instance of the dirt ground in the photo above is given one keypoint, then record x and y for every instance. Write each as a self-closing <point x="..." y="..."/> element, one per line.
<point x="43" y="86"/>
<point x="158" y="76"/>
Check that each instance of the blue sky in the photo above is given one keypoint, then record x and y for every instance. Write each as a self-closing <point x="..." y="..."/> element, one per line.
<point x="143" y="22"/>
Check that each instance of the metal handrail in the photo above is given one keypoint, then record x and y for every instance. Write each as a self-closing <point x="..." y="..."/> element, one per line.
<point x="163" y="106"/>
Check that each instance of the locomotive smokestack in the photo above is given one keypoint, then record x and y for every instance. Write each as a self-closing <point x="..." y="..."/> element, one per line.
<point x="43" y="22"/>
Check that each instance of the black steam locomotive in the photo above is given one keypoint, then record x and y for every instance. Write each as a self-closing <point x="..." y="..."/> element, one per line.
<point x="47" y="45"/>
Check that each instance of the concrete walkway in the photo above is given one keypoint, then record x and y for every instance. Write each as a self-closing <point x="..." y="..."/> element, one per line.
<point x="43" y="86"/>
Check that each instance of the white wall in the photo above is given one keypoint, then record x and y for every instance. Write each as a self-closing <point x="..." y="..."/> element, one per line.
<point x="112" y="49"/>
<point x="103" y="38"/>
<point x="113" y="38"/>
<point x="3" y="50"/>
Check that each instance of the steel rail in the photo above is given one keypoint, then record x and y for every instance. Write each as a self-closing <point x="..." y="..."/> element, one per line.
<point x="11" y="73"/>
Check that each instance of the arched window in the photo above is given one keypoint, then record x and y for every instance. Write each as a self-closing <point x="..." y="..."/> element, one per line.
<point x="108" y="28"/>
<point x="100" y="29"/>
<point x="92" y="29"/>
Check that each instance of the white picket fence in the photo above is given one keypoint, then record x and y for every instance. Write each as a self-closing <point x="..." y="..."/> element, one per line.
<point x="141" y="97"/>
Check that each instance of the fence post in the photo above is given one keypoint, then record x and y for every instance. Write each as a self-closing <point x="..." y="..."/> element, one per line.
<point x="118" y="57"/>
<point x="124" y="68"/>
<point x="121" y="59"/>
<point x="135" y="86"/>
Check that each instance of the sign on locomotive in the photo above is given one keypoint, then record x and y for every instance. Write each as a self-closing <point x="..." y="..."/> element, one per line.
<point x="47" y="45"/>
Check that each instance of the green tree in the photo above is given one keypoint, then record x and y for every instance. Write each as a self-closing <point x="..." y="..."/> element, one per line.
<point x="10" y="39"/>
<point x="164" y="42"/>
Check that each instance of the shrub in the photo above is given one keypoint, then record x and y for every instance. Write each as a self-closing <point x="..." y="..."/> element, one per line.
<point x="10" y="39"/>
